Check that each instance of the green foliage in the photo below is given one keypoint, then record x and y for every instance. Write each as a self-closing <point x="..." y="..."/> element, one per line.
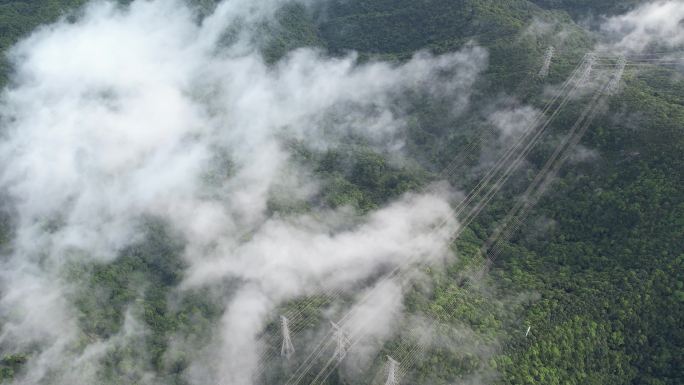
<point x="614" y="218"/>
<point x="364" y="179"/>
<point x="10" y="365"/>
<point x="19" y="17"/>
<point x="602" y="252"/>
<point x="5" y="228"/>
<point x="141" y="282"/>
<point x="584" y="8"/>
<point x="293" y="30"/>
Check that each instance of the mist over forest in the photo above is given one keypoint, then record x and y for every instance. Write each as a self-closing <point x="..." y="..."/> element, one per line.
<point x="244" y="192"/>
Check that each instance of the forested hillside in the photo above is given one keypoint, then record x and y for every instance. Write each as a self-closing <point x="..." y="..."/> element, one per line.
<point x="595" y="270"/>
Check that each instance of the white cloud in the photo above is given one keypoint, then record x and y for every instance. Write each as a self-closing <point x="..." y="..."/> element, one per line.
<point x="124" y="113"/>
<point x="659" y="23"/>
<point x="513" y="122"/>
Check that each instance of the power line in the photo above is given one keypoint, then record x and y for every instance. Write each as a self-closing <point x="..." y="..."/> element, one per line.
<point x="464" y="203"/>
<point x="583" y="122"/>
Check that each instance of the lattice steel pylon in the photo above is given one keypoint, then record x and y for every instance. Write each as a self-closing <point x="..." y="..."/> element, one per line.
<point x="591" y="59"/>
<point x="342" y="342"/>
<point x="392" y="371"/>
<point x="614" y="85"/>
<point x="548" y="57"/>
<point x="287" y="349"/>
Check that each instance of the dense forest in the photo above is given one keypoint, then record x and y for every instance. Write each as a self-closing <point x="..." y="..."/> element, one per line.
<point x="594" y="271"/>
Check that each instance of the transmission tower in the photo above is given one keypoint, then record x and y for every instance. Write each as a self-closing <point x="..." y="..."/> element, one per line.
<point x="586" y="74"/>
<point x="392" y="371"/>
<point x="614" y="85"/>
<point x="342" y="342"/>
<point x="287" y="349"/>
<point x="544" y="72"/>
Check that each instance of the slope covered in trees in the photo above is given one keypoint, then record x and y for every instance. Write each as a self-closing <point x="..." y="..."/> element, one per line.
<point x="599" y="260"/>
